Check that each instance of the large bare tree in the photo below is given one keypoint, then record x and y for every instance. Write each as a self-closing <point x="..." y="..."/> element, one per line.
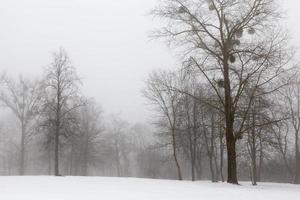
<point x="230" y="44"/>
<point x="61" y="98"/>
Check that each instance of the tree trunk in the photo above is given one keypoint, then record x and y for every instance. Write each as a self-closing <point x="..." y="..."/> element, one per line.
<point x="221" y="156"/>
<point x="261" y="159"/>
<point x="253" y="150"/>
<point x="231" y="154"/>
<point x="192" y="162"/>
<point x="85" y="168"/>
<point x="71" y="169"/>
<point x="199" y="163"/>
<point x="297" y="174"/>
<point x="191" y="142"/>
<point x="192" y="152"/>
<point x="297" y="157"/>
<point x="209" y="143"/>
<point x="194" y="141"/>
<point x="254" y="168"/>
<point x="117" y="159"/>
<point x="49" y="160"/>
<point x="212" y="171"/>
<point x="212" y="151"/>
<point x="22" y="153"/>
<point x="56" y="152"/>
<point x="229" y="131"/>
<point x="86" y="157"/>
<point x="175" y="156"/>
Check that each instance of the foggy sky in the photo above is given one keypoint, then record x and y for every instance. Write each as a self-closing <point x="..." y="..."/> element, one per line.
<point x="107" y="41"/>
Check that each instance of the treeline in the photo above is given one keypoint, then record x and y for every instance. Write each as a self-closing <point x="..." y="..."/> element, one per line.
<point x="48" y="127"/>
<point x="191" y="125"/>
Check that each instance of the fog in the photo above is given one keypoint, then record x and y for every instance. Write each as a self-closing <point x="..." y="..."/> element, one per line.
<point x="142" y="99"/>
<point x="107" y="41"/>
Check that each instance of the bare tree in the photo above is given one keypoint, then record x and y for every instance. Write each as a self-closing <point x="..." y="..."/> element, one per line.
<point x="255" y="136"/>
<point x="119" y="145"/>
<point x="23" y="99"/>
<point x="192" y="130"/>
<point x="89" y="137"/>
<point x="188" y="124"/>
<point x="292" y="97"/>
<point x="166" y="102"/>
<point x="237" y="42"/>
<point x="61" y="98"/>
<point x="281" y="141"/>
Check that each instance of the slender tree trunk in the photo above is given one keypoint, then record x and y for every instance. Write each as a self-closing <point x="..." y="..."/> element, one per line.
<point x="175" y="155"/>
<point x="261" y="159"/>
<point x="210" y="150"/>
<point x="221" y="137"/>
<point x="216" y="167"/>
<point x="221" y="155"/>
<point x="254" y="167"/>
<point x="210" y="158"/>
<point x="49" y="160"/>
<point x="297" y="157"/>
<point x="117" y="159"/>
<point x="9" y="159"/>
<point x="194" y="163"/>
<point x="85" y="167"/>
<point x="86" y="157"/>
<point x="57" y="128"/>
<point x="71" y="169"/>
<point x="297" y="175"/>
<point x="191" y="144"/>
<point x="193" y="154"/>
<point x="56" y="151"/>
<point x="253" y="151"/>
<point x="194" y="141"/>
<point x="199" y="163"/>
<point x="297" y="127"/>
<point x="212" y="171"/>
<point x="22" y="153"/>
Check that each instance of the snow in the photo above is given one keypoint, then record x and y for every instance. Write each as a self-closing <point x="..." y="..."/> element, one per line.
<point x="96" y="188"/>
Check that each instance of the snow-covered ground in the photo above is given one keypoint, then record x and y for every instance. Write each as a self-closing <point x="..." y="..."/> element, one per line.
<point x="80" y="188"/>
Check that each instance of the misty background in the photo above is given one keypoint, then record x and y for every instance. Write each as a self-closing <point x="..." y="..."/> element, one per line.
<point x="96" y="34"/>
<point x="108" y="43"/>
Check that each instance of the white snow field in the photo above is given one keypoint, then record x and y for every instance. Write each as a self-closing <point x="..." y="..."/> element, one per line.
<point x="80" y="188"/>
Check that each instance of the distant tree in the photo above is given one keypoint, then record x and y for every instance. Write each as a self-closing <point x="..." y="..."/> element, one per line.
<point x="256" y="135"/>
<point x="281" y="137"/>
<point x="166" y="102"/>
<point x="9" y="150"/>
<point x="188" y="125"/>
<point x="148" y="160"/>
<point x="118" y="144"/>
<point x="61" y="96"/>
<point x="292" y="98"/>
<point x="22" y="97"/>
<point x="86" y="143"/>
